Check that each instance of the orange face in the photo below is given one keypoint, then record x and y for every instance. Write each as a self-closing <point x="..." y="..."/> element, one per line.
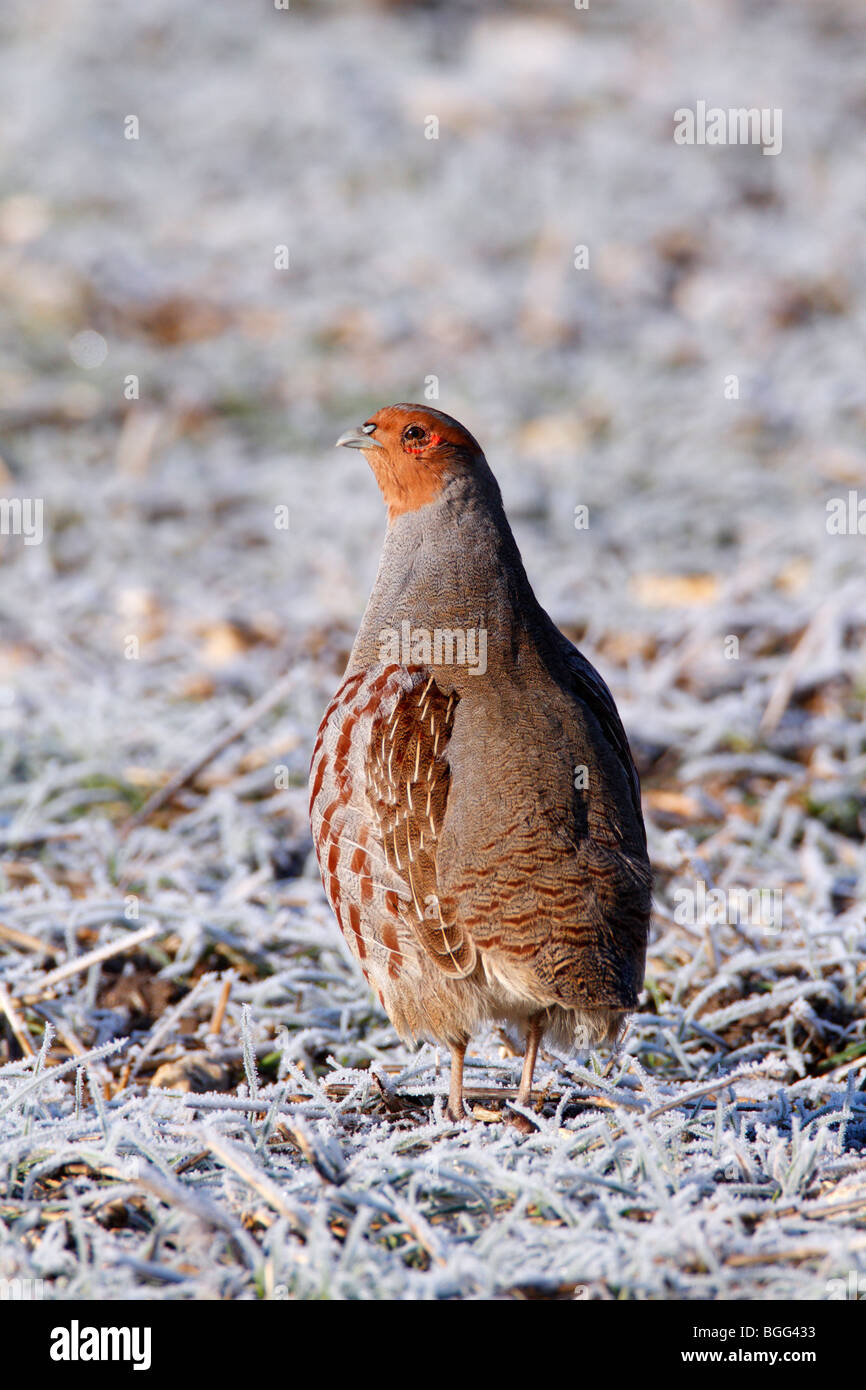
<point x="412" y="451"/>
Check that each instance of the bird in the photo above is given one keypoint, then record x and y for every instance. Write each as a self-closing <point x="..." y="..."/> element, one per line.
<point x="474" y="804"/>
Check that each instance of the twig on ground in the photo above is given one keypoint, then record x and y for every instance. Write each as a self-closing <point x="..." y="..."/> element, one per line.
<point x="26" y="942"/>
<point x="235" y="730"/>
<point x="233" y="1157"/>
<point x="15" y="1022"/>
<point x="94" y="957"/>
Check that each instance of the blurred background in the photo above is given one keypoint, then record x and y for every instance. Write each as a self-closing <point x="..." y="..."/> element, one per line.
<point x="299" y="136"/>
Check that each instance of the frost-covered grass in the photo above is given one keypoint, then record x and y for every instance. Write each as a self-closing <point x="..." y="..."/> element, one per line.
<point x="292" y="1153"/>
<point x="198" y="1096"/>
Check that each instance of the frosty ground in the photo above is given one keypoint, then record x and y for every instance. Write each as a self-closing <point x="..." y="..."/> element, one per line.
<point x="198" y="1096"/>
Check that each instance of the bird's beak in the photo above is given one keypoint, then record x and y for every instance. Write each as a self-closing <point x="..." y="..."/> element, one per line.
<point x="357" y="439"/>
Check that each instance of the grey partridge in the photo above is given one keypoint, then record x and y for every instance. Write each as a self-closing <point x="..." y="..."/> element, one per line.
<point x="474" y="803"/>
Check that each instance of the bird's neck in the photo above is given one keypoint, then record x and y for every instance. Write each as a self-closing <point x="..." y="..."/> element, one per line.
<point x="450" y="576"/>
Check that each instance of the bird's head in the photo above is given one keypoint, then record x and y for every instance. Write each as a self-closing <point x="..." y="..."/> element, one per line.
<point x="414" y="452"/>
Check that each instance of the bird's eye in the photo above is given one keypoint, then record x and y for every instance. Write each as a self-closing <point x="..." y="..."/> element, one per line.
<point x="414" y="432"/>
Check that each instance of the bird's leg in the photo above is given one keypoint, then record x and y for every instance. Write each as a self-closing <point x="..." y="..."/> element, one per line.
<point x="533" y="1038"/>
<point x="454" y="1109"/>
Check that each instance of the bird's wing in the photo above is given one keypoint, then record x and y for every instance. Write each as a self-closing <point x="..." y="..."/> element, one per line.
<point x="592" y="690"/>
<point x="407" y="785"/>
